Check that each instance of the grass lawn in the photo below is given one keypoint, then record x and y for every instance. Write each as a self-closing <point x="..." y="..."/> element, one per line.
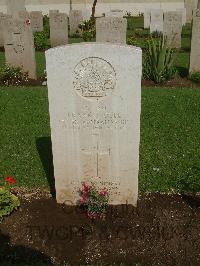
<point x="169" y="153"/>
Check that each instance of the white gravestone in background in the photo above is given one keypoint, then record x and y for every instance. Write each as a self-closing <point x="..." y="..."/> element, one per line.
<point x="94" y="92"/>
<point x="156" y="20"/>
<point x="58" y="28"/>
<point x="173" y="28"/>
<point x="19" y="45"/>
<point x="36" y="18"/>
<point x="75" y="18"/>
<point x="147" y="13"/>
<point x="115" y="13"/>
<point x="195" y="44"/>
<point x="111" y="29"/>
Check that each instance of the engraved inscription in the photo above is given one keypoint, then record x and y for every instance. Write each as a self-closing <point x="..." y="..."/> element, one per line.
<point x="94" y="77"/>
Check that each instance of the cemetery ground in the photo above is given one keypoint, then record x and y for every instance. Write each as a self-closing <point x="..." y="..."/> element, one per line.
<point x="162" y="230"/>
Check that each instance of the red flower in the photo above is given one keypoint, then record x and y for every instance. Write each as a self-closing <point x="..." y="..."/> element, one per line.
<point x="103" y="193"/>
<point x="85" y="188"/>
<point x="83" y="198"/>
<point x="10" y="179"/>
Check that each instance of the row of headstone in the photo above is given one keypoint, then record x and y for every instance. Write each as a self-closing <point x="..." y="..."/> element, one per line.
<point x="153" y="18"/>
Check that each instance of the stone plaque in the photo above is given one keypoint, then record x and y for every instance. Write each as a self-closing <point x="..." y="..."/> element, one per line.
<point x="19" y="45"/>
<point x="36" y="18"/>
<point x="195" y="45"/>
<point x="173" y="28"/>
<point x="94" y="92"/>
<point x="75" y="18"/>
<point x="156" y="20"/>
<point x="111" y="29"/>
<point x="58" y="29"/>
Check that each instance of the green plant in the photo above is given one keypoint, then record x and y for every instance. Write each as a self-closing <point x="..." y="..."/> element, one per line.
<point x="8" y="201"/>
<point x="88" y="29"/>
<point x="195" y="76"/>
<point x="158" y="63"/>
<point x="46" y="26"/>
<point x="12" y="76"/>
<point x="93" y="201"/>
<point x="156" y="34"/>
<point x="40" y="40"/>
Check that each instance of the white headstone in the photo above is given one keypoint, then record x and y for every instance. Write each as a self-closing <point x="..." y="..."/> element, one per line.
<point x="36" y="18"/>
<point x="111" y="29"/>
<point x="19" y="45"/>
<point x="173" y="28"/>
<point x="58" y="28"/>
<point x="195" y="45"/>
<point x="94" y="92"/>
<point x="147" y="15"/>
<point x="75" y="18"/>
<point x="183" y="12"/>
<point x="156" y="20"/>
<point x="86" y="14"/>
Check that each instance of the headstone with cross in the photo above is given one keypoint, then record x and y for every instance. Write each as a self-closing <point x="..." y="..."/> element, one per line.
<point x="94" y="92"/>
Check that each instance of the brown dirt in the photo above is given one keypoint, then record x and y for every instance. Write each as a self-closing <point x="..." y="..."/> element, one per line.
<point x="162" y="230"/>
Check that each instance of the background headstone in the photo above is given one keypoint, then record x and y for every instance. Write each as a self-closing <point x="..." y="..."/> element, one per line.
<point x="86" y="14"/>
<point x="14" y="7"/>
<point x="58" y="28"/>
<point x="111" y="29"/>
<point x="19" y="45"/>
<point x="173" y="28"/>
<point x="147" y="14"/>
<point x="94" y="93"/>
<point x="195" y="45"/>
<point x="183" y="12"/>
<point x="75" y="18"/>
<point x="36" y="18"/>
<point x="156" y="20"/>
<point x="2" y="19"/>
<point x="191" y="6"/>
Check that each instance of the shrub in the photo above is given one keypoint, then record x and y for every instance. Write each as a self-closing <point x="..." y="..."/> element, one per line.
<point x="40" y="40"/>
<point x="12" y="76"/>
<point x="195" y="76"/>
<point x="158" y="63"/>
<point x="93" y="201"/>
<point x="88" y="29"/>
<point x="8" y="201"/>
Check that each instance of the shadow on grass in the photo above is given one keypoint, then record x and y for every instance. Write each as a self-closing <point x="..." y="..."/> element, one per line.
<point x="182" y="71"/>
<point x="44" y="148"/>
<point x="20" y="255"/>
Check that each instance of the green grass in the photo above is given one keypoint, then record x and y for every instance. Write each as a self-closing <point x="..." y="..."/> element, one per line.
<point x="169" y="153"/>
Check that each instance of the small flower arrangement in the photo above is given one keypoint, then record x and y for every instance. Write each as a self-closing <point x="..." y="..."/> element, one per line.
<point x="8" y="201"/>
<point x="94" y="201"/>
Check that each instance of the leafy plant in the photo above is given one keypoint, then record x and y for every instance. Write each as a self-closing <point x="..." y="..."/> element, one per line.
<point x="93" y="201"/>
<point x="195" y="76"/>
<point x="12" y="76"/>
<point x="46" y="26"/>
<point x="88" y="29"/>
<point x="8" y="201"/>
<point x="40" y="40"/>
<point x="156" y="34"/>
<point x="158" y="63"/>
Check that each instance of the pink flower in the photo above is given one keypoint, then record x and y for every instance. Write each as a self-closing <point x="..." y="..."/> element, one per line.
<point x="85" y="187"/>
<point x="28" y="22"/>
<point x="83" y="198"/>
<point x="103" y="193"/>
<point x="10" y="180"/>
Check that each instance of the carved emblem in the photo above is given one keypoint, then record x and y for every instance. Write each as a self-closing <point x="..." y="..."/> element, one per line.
<point x="94" y="77"/>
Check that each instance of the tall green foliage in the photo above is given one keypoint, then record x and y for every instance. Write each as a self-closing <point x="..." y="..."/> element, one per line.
<point x="158" y="63"/>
